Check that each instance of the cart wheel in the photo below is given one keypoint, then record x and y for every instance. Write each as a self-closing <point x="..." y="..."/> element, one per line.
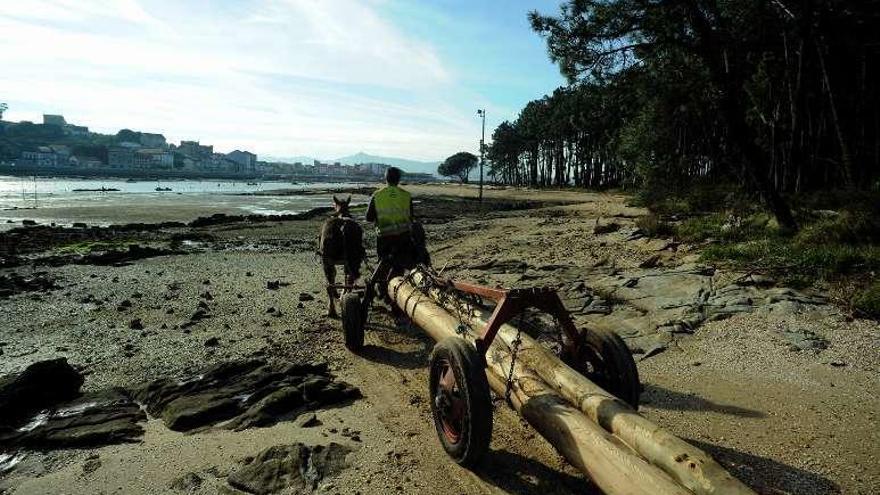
<point x="352" y="321"/>
<point x="460" y="402"/>
<point x="606" y="360"/>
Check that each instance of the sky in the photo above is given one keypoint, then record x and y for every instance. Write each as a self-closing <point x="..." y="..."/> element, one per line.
<point x="323" y="78"/>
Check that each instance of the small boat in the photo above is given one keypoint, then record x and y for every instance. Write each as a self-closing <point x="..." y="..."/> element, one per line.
<point x="163" y="189"/>
<point x="253" y="183"/>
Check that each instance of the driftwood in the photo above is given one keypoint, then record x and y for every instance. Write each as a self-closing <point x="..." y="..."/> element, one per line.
<point x="599" y="434"/>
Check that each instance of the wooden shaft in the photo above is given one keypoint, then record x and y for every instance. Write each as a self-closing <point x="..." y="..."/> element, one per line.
<point x="688" y="465"/>
<point x="612" y="465"/>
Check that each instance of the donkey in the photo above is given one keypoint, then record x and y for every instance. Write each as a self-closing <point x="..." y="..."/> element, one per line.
<point x="340" y="243"/>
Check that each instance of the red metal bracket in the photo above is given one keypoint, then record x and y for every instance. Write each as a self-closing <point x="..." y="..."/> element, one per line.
<point x="510" y="302"/>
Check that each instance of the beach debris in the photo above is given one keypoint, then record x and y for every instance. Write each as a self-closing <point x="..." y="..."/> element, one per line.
<point x="305" y="296"/>
<point x="243" y="394"/>
<point x="298" y="467"/>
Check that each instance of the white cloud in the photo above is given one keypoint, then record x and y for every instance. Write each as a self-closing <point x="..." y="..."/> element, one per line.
<point x="276" y="76"/>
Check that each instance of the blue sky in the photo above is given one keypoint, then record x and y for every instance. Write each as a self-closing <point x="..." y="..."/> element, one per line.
<point x="323" y="78"/>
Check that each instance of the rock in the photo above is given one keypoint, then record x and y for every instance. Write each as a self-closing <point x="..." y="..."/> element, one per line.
<point x="203" y="305"/>
<point x="206" y="296"/>
<point x="212" y="342"/>
<point x="273" y="284"/>
<point x="651" y="262"/>
<point x="307" y="420"/>
<point x="194" y="411"/>
<point x="136" y="324"/>
<point x="305" y="296"/>
<point x="14" y="283"/>
<point x="38" y="387"/>
<point x="28" y="222"/>
<point x="270" y="310"/>
<point x="247" y="393"/>
<point x="296" y="467"/>
<point x="607" y="228"/>
<point x="189" y="482"/>
<point x="95" y="418"/>
<point x="91" y="465"/>
<point x="804" y="340"/>
<point x="200" y="314"/>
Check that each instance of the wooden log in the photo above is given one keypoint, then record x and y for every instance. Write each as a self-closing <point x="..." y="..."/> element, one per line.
<point x="612" y="465"/>
<point x="691" y="467"/>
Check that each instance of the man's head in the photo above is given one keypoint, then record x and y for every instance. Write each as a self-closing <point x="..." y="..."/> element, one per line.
<point x="392" y="176"/>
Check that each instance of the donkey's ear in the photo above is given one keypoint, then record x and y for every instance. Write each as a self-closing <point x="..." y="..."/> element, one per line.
<point x="347" y="201"/>
<point x="335" y="199"/>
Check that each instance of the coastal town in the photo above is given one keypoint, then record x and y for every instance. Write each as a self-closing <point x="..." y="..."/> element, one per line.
<point x="56" y="146"/>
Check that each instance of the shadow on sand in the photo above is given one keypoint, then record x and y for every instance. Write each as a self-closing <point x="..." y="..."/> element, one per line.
<point x="663" y="398"/>
<point x="514" y="473"/>
<point x="767" y="476"/>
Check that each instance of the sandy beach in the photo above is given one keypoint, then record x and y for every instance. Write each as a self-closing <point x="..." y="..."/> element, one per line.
<point x="780" y="386"/>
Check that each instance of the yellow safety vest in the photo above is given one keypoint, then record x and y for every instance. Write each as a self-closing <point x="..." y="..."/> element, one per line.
<point x="392" y="206"/>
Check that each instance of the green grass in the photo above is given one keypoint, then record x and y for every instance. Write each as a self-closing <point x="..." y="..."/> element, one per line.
<point x="86" y="247"/>
<point x="868" y="301"/>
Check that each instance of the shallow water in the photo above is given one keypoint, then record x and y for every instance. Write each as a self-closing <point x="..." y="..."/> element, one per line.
<point x="55" y="200"/>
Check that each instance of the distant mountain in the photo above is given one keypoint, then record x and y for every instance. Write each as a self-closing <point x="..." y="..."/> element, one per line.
<point x="401" y="163"/>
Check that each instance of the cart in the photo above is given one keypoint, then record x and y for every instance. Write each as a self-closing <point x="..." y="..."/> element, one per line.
<point x="461" y="403"/>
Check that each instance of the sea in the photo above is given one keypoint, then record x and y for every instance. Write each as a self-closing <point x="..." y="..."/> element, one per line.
<point x="106" y="201"/>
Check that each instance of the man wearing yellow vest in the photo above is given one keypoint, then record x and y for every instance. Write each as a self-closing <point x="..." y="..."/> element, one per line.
<point x="391" y="210"/>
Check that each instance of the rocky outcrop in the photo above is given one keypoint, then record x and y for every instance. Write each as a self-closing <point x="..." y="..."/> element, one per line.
<point x="42" y="408"/>
<point x="295" y="468"/>
<point x="649" y="307"/>
<point x="14" y="283"/>
<point x="243" y="394"/>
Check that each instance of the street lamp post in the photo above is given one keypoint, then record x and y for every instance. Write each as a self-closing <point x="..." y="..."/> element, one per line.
<point x="482" y="114"/>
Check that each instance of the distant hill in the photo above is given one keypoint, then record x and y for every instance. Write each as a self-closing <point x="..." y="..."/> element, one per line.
<point x="401" y="163"/>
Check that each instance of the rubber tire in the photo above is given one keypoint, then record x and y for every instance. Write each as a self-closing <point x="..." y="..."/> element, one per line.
<point x="621" y="376"/>
<point x="470" y="375"/>
<point x="352" y="321"/>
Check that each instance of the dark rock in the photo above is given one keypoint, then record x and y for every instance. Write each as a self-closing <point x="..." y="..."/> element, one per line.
<point x="607" y="228"/>
<point x="91" y="465"/>
<point x="651" y="262"/>
<point x="14" y="283"/>
<point x="249" y="393"/>
<point x="307" y="420"/>
<point x="95" y="418"/>
<point x="189" y="482"/>
<point x="273" y="284"/>
<point x="305" y="296"/>
<point x="804" y="340"/>
<point x="28" y="222"/>
<point x="206" y="296"/>
<point x="38" y="387"/>
<point x="190" y="412"/>
<point x="124" y="305"/>
<point x="136" y="324"/>
<point x="200" y="314"/>
<point x="270" y="310"/>
<point x="297" y="467"/>
<point x="212" y="342"/>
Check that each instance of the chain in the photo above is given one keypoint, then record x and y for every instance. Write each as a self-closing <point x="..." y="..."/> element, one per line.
<point x="508" y="388"/>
